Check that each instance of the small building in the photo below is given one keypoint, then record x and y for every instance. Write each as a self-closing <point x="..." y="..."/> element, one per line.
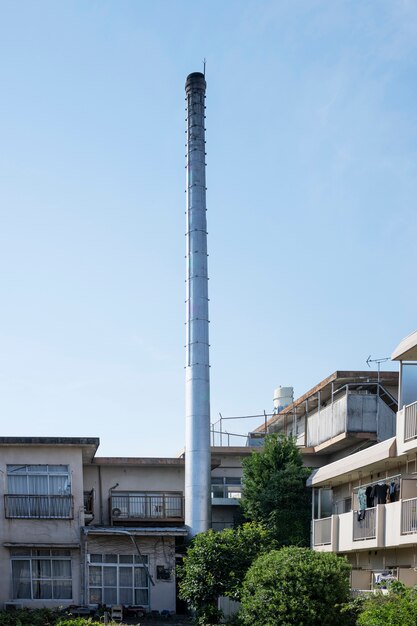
<point x="79" y="529"/>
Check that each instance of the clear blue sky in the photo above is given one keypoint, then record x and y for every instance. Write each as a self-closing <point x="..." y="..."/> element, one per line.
<point x="312" y="187"/>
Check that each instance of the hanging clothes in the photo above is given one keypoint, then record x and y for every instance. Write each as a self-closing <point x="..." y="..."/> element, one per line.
<point x="369" y="497"/>
<point x="379" y="493"/>
<point x="394" y="489"/>
<point x="361" y="503"/>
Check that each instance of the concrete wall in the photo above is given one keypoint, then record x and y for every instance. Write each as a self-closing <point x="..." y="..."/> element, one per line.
<point x="34" y="531"/>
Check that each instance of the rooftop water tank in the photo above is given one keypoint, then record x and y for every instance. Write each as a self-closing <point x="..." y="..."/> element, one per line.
<point x="283" y="396"/>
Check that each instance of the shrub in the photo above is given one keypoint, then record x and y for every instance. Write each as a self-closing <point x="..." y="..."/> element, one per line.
<point x="43" y="617"/>
<point x="28" y="617"/>
<point x="398" y="608"/>
<point x="215" y="565"/>
<point x="80" y="621"/>
<point x="296" y="587"/>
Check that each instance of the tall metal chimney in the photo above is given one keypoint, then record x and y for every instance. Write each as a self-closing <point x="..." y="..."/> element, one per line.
<point x="197" y="376"/>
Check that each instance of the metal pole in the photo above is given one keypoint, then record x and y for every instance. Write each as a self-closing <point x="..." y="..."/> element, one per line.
<point x="197" y="378"/>
<point x="221" y="430"/>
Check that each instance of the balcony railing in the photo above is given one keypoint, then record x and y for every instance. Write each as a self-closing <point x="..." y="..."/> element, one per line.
<point x="409" y="516"/>
<point x="146" y="507"/>
<point x="410" y="421"/>
<point x="366" y="527"/>
<point x="322" y="532"/>
<point x="38" y="507"/>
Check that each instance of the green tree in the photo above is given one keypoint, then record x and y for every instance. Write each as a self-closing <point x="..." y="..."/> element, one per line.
<point x="215" y="565"/>
<point x="398" y="608"/>
<point x="275" y="492"/>
<point x="296" y="587"/>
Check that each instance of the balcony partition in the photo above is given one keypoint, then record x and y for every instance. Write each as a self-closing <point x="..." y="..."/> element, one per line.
<point x="410" y="421"/>
<point x="409" y="516"/>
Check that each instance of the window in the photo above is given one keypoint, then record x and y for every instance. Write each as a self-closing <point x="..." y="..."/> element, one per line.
<point x="408" y="383"/>
<point x="41" y="574"/>
<point x="38" y="491"/>
<point x="38" y="480"/>
<point x="226" y="487"/>
<point x="118" y="579"/>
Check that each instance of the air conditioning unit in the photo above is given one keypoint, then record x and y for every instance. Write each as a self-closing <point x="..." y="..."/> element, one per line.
<point x="12" y="606"/>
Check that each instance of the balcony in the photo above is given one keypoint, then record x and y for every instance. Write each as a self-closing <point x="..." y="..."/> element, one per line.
<point x="38" y="507"/>
<point x="384" y="526"/>
<point x="351" y="413"/>
<point x="146" y="507"/>
<point x="364" y="528"/>
<point x="322" y="531"/>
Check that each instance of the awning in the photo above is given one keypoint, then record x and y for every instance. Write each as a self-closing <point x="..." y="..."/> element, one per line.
<point x="363" y="460"/>
<point x="407" y="349"/>
<point x="42" y="546"/>
<point x="154" y="531"/>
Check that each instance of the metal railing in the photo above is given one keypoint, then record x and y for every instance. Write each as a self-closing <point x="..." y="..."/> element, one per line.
<point x="410" y="421"/>
<point x="39" y="507"/>
<point x="135" y="506"/>
<point x="322" y="531"/>
<point x="366" y="527"/>
<point x="409" y="516"/>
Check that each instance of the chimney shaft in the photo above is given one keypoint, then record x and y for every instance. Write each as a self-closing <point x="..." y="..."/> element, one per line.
<point x="197" y="376"/>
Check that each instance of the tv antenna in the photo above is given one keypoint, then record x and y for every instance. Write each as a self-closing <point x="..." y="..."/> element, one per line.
<point x="378" y="362"/>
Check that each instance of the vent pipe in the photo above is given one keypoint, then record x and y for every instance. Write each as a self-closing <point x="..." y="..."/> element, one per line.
<point x="197" y="377"/>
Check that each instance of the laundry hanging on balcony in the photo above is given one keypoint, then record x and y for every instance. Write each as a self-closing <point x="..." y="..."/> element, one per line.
<point x="362" y="503"/>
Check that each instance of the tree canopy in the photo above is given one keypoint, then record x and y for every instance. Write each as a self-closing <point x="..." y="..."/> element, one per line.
<point x="215" y="565"/>
<point x="275" y="492"/>
<point x="296" y="587"/>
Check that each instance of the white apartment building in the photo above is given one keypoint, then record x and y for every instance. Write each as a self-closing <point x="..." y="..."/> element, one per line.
<point x="365" y="503"/>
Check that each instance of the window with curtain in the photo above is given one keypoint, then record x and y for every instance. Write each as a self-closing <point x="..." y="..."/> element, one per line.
<point x="41" y="574"/>
<point x="118" y="579"/>
<point x="38" y="480"/>
<point x="39" y="491"/>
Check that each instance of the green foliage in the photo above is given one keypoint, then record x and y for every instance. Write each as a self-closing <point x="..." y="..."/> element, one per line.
<point x="215" y="565"/>
<point x="296" y="587"/>
<point x="27" y="617"/>
<point x="398" y="608"/>
<point x="43" y="617"/>
<point x="80" y="621"/>
<point x="275" y="492"/>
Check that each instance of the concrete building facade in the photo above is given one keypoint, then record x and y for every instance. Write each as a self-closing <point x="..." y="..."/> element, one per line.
<point x="365" y="503"/>
<point x="79" y="529"/>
